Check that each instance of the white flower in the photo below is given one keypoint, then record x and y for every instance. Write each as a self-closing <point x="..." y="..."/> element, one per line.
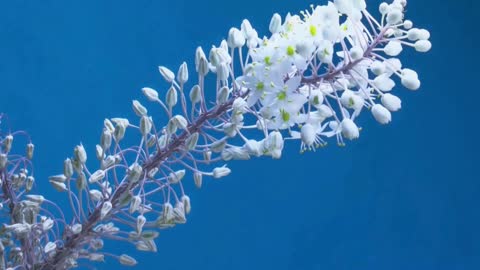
<point x="381" y="114"/>
<point x="423" y="46"/>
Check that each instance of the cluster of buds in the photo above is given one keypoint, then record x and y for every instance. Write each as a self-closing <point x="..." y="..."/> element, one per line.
<point x="309" y="80"/>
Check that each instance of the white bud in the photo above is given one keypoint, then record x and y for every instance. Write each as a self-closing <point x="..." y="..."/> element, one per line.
<point x="410" y="79"/>
<point x="235" y="153"/>
<point x="76" y="228"/>
<point x="191" y="141"/>
<point x="180" y="122"/>
<point x="96" y="176"/>
<point x="349" y="129"/>
<point x="106" y="208"/>
<point x="150" y="93"/>
<point x="145" y="125"/>
<point x="356" y="52"/>
<point x="378" y="68"/>
<point x="35" y="198"/>
<point x="383" y="8"/>
<point x="95" y="195"/>
<point x="236" y="38"/>
<point x="413" y="34"/>
<point x="80" y="154"/>
<point x="394" y="16"/>
<point x="222" y="96"/>
<point x="218" y="146"/>
<point x="408" y="24"/>
<point x="186" y="204"/>
<point x="127" y="260"/>
<point x="172" y="97"/>
<point x="393" y="48"/>
<point x="134" y="172"/>
<point x="222" y="71"/>
<point x="207" y="155"/>
<point x="274" y="144"/>
<point x="81" y="182"/>
<point x="106" y="139"/>
<point x="167" y="74"/>
<point x="381" y="114"/>
<point x="383" y="83"/>
<point x="47" y="224"/>
<point x="134" y="204"/>
<point x="141" y="220"/>
<point x="239" y="105"/>
<point x="60" y="178"/>
<point x="172" y="126"/>
<point x="58" y="186"/>
<point x="7" y="143"/>
<point x="275" y="23"/>
<point x="138" y="108"/>
<point x="49" y="247"/>
<point x="325" y="52"/>
<point x="3" y="161"/>
<point x="201" y="63"/>
<point x="99" y="152"/>
<point x="246" y="28"/>
<point x="195" y="94"/>
<point x="30" y="148"/>
<point x="423" y="46"/>
<point x="423" y="34"/>
<point x="391" y="102"/>
<point x="220" y="172"/>
<point x="175" y="177"/>
<point x="197" y="178"/>
<point x="182" y="75"/>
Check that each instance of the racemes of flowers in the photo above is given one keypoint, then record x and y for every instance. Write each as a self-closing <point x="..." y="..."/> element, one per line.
<point x="308" y="81"/>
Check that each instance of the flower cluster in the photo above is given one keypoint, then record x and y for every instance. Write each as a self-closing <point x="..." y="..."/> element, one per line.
<point x="309" y="81"/>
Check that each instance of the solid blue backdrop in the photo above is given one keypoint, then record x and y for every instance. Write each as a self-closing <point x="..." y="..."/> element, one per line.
<point x="404" y="196"/>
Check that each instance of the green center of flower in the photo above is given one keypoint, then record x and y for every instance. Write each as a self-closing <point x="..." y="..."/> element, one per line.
<point x="290" y="50"/>
<point x="282" y="95"/>
<point x="313" y="30"/>
<point x="260" y="86"/>
<point x="316" y="100"/>
<point x="268" y="60"/>
<point x="285" y="116"/>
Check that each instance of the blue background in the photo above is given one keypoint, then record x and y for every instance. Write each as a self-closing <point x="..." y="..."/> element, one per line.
<point x="404" y="196"/>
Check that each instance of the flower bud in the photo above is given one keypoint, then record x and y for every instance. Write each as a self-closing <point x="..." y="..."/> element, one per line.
<point x="138" y="108"/>
<point x="349" y="129"/>
<point x="197" y="178"/>
<point x="220" y="172"/>
<point x="381" y="114"/>
<point x="275" y="23"/>
<point x="182" y="75"/>
<point x="351" y="100"/>
<point x="30" y="148"/>
<point x="172" y="126"/>
<point x="141" y="220"/>
<point x="134" y="204"/>
<point x="191" y="141"/>
<point x="391" y="102"/>
<point x="384" y="83"/>
<point x="150" y="93"/>
<point x="222" y="96"/>
<point x="235" y="153"/>
<point x="106" y="208"/>
<point x="7" y="143"/>
<point x="230" y="129"/>
<point x="383" y="8"/>
<point x="246" y="28"/>
<point x="186" y="204"/>
<point x="175" y="177"/>
<point x="3" y="161"/>
<point x="49" y="247"/>
<point x="218" y="146"/>
<point x="356" y="52"/>
<point x="207" y="155"/>
<point x="195" y="94"/>
<point x="81" y="182"/>
<point x="106" y="139"/>
<point x="201" y="63"/>
<point x="378" y="68"/>
<point x="96" y="176"/>
<point x="308" y="134"/>
<point x="395" y="16"/>
<point x="145" y="125"/>
<point x="413" y="34"/>
<point x="410" y="79"/>
<point x="408" y="24"/>
<point x="167" y="74"/>
<point x="423" y="34"/>
<point x="99" y="152"/>
<point x="222" y="72"/>
<point x="58" y="186"/>
<point x="127" y="260"/>
<point x="76" y="228"/>
<point x="172" y="97"/>
<point x="180" y="122"/>
<point x="393" y="48"/>
<point x="423" y="46"/>
<point x="134" y="173"/>
<point x="236" y="39"/>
